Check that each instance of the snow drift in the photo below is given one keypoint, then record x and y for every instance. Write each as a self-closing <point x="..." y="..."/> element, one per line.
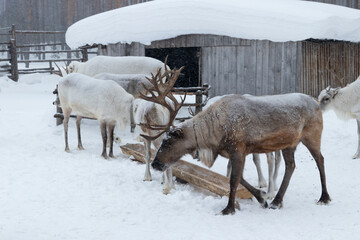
<point x="276" y="20"/>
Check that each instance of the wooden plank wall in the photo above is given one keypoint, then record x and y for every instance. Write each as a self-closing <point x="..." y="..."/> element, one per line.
<point x="52" y="15"/>
<point x="262" y="68"/>
<point x="232" y="65"/>
<point x="325" y="62"/>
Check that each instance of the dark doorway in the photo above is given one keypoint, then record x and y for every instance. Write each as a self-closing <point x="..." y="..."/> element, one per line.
<point x="178" y="57"/>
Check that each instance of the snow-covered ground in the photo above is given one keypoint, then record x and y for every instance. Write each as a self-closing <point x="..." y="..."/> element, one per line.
<point x="46" y="193"/>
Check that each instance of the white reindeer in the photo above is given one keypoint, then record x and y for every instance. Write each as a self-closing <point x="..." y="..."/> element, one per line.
<point x="345" y="102"/>
<point x="116" y="65"/>
<point x="149" y="113"/>
<point x="132" y="83"/>
<point x="105" y="101"/>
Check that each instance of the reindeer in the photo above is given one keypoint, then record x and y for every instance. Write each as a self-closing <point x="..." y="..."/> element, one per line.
<point x="345" y="101"/>
<point x="236" y="126"/>
<point x="88" y="97"/>
<point x="273" y="163"/>
<point x="156" y="114"/>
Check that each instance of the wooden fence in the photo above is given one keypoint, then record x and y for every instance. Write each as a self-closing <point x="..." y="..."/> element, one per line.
<point x="36" y="53"/>
<point x="328" y="63"/>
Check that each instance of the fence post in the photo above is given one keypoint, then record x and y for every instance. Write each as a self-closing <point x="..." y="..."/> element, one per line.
<point x="84" y="53"/>
<point x="13" y="61"/>
<point x="198" y="100"/>
<point x="13" y="55"/>
<point x="13" y="34"/>
<point x="59" y="120"/>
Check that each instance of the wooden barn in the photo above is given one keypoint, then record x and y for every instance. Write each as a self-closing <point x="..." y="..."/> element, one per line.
<point x="244" y="65"/>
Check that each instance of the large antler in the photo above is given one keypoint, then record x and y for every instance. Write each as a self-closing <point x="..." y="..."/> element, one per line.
<point x="160" y="91"/>
<point x="59" y="72"/>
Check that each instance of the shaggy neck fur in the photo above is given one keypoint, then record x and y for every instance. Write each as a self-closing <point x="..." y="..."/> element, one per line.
<point x="345" y="102"/>
<point x="207" y="133"/>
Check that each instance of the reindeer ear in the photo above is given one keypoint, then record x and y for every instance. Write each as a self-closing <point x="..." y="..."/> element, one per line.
<point x="177" y="132"/>
<point x="335" y="91"/>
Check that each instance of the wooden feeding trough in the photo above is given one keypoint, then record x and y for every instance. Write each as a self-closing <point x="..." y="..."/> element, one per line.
<point x="192" y="173"/>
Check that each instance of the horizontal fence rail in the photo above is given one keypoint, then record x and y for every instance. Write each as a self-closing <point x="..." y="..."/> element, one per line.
<point x="32" y="53"/>
<point x="199" y="92"/>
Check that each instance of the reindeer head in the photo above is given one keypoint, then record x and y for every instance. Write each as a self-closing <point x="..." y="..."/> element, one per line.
<point x="326" y="96"/>
<point x="73" y="67"/>
<point x="169" y="151"/>
<point x="160" y="93"/>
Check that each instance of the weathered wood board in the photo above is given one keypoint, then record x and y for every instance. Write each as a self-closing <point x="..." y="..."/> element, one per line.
<point x="192" y="173"/>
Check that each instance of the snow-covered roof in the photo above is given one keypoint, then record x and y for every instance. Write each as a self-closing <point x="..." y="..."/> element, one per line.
<point x="275" y="20"/>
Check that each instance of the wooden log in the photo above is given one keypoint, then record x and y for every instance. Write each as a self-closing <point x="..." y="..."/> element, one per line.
<point x="192" y="173"/>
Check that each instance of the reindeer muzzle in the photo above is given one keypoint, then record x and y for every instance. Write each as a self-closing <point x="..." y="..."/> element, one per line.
<point x="158" y="165"/>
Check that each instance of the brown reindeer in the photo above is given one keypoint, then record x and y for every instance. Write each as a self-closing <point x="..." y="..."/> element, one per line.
<point x="236" y="126"/>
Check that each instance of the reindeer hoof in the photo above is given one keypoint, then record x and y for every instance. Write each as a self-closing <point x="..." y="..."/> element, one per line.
<point x="269" y="196"/>
<point x="166" y="191"/>
<point x="357" y="155"/>
<point x="147" y="179"/>
<point x="324" y="199"/>
<point x="80" y="148"/>
<point x="67" y="150"/>
<point x="262" y="184"/>
<point x="275" y="205"/>
<point x="228" y="211"/>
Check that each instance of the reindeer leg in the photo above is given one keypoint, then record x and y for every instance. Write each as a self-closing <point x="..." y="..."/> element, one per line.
<point x="228" y="169"/>
<point x="261" y="179"/>
<point x="147" y="144"/>
<point x="237" y="163"/>
<point x="66" y="128"/>
<point x="357" y="154"/>
<point x="78" y="122"/>
<point x="319" y="159"/>
<point x="277" y="165"/>
<point x="258" y="194"/>
<point x="271" y="189"/>
<point x="168" y="183"/>
<point x="288" y="154"/>
<point x="104" y="138"/>
<point x="111" y="127"/>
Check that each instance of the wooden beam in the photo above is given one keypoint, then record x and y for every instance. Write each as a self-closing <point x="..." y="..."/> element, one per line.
<point x="192" y="173"/>
<point x="50" y="60"/>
